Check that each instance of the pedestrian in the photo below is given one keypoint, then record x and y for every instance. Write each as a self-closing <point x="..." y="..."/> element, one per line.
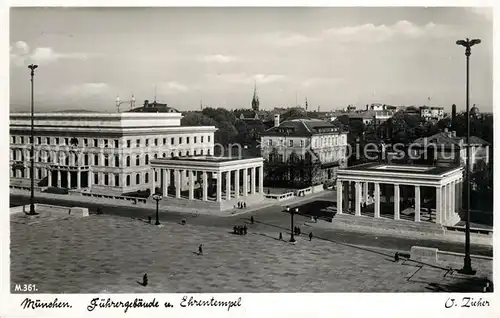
<point x="251" y="219"/>
<point x="316" y="219"/>
<point x="145" y="280"/>
<point x="310" y="236"/>
<point x="240" y="230"/>
<point x="244" y="205"/>
<point x="239" y="205"/>
<point x="200" y="249"/>
<point x="245" y="229"/>
<point x="295" y="230"/>
<point x="298" y="231"/>
<point x="268" y="191"/>
<point x="149" y="219"/>
<point x="281" y="236"/>
<point x="235" y="229"/>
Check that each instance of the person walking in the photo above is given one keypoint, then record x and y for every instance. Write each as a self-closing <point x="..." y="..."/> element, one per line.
<point x="251" y="219"/>
<point x="200" y="249"/>
<point x="310" y="236"/>
<point x="281" y="237"/>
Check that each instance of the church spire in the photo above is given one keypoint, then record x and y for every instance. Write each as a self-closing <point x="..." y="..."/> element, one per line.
<point x="255" y="99"/>
<point x="306" y="104"/>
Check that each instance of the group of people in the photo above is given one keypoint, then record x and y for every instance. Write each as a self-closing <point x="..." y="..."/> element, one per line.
<point x="240" y="229"/>
<point x="242" y="205"/>
<point x="296" y="230"/>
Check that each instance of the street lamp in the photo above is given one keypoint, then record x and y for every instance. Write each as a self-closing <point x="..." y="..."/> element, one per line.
<point x="467" y="269"/>
<point x="32" y="67"/>
<point x="157" y="197"/>
<point x="291" y="211"/>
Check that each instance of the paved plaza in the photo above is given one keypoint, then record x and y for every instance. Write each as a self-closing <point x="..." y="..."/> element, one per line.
<point x="102" y="253"/>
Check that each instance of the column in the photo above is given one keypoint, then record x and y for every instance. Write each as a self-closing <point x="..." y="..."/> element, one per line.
<point x="58" y="178"/>
<point x="245" y="182"/>
<point x="444" y="211"/>
<point x="346" y="188"/>
<point x="166" y="181"/>
<point x="417" y="203"/>
<point x="376" y="194"/>
<point x="191" y="184"/>
<point x="49" y="178"/>
<point x="461" y="191"/>
<point x="339" y="197"/>
<point x="153" y="182"/>
<point x="261" y="179"/>
<point x="252" y="180"/>
<point x="219" y="186"/>
<point x="177" y="183"/>
<point x="365" y="192"/>
<point x="78" y="180"/>
<point x="396" y="202"/>
<point x="228" y="185"/>
<point x="357" y="202"/>
<point x="352" y="192"/>
<point x="237" y="184"/>
<point x="68" y="178"/>
<point x="453" y="198"/>
<point x="205" y="185"/>
<point x="439" y="205"/>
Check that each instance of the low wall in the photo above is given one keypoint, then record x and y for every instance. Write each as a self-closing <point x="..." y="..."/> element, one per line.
<point x="303" y="192"/>
<point x="420" y="253"/>
<point x="280" y="197"/>
<point x="115" y="197"/>
<point x="318" y="188"/>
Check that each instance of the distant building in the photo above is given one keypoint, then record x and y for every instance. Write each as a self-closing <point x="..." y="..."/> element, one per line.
<point x="308" y="140"/>
<point x="255" y="100"/>
<point x="431" y="113"/>
<point x="445" y="148"/>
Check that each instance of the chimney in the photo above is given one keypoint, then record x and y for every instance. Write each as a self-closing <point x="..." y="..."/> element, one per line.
<point x="276" y="120"/>
<point x="367" y="106"/>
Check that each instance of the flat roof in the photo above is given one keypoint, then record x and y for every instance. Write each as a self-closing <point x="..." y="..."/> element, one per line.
<point x="202" y="159"/>
<point x="401" y="168"/>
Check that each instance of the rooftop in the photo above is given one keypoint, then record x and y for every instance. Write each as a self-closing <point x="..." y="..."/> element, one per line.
<point x="302" y="127"/>
<point x="400" y="168"/>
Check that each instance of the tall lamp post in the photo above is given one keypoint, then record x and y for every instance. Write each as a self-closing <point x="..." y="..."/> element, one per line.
<point x="467" y="269"/>
<point x="32" y="67"/>
<point x="157" y="197"/>
<point x="291" y="211"/>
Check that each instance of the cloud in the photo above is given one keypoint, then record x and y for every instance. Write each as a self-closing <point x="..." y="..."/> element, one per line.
<point x="172" y="87"/>
<point x="377" y="33"/>
<point x="87" y="89"/>
<point x="287" y="39"/>
<point x="21" y="54"/>
<point x="485" y="12"/>
<point x="243" y="78"/>
<point x="218" y="58"/>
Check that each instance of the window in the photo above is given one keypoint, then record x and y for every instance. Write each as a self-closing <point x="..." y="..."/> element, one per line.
<point x="106" y="179"/>
<point x="164" y="141"/>
<point x="96" y="143"/>
<point x="12" y="140"/>
<point x="96" y="160"/>
<point x="208" y="152"/>
<point x="38" y="140"/>
<point x="128" y="143"/>
<point x="137" y="179"/>
<point x="147" y="142"/>
<point x="85" y="142"/>
<point x="146" y="160"/>
<point x="138" y="143"/>
<point x="96" y="178"/>
<point x="195" y="152"/>
<point x="39" y="173"/>
<point x="209" y="138"/>
<point x="137" y="160"/>
<point x="194" y="139"/>
<point x="117" y="161"/>
<point x="146" y="178"/>
<point x="66" y="160"/>
<point x="105" y="143"/>
<point x="128" y="180"/>
<point x="202" y="139"/>
<point x="164" y="155"/>
<point x="201" y="152"/>
<point x="156" y="156"/>
<point x="302" y="143"/>
<point x="290" y="143"/>
<point x="106" y="160"/>
<point x="187" y="140"/>
<point x="66" y="141"/>
<point x="156" y="175"/>
<point x="57" y="140"/>
<point x="156" y="141"/>
<point x="86" y="159"/>
<point x="128" y="161"/>
<point x="270" y="142"/>
<point x="180" y="140"/>
<point x="47" y="140"/>
<point x="172" y="154"/>
<point x="117" y="180"/>
<point x="116" y="143"/>
<point x="187" y="153"/>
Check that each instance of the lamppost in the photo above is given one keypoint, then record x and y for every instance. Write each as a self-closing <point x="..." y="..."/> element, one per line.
<point x="157" y="197"/>
<point x="291" y="211"/>
<point x="467" y="269"/>
<point x="32" y="67"/>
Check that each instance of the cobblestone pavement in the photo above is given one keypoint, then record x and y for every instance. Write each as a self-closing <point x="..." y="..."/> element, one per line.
<point x="111" y="254"/>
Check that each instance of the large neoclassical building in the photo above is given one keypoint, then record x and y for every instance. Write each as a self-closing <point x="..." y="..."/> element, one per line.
<point x="102" y="152"/>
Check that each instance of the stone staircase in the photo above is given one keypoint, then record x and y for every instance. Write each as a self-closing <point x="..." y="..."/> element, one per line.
<point x="350" y="220"/>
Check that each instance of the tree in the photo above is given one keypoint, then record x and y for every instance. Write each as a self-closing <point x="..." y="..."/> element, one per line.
<point x="197" y="119"/>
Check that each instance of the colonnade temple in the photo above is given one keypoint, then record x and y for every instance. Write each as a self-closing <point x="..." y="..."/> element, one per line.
<point x="426" y="189"/>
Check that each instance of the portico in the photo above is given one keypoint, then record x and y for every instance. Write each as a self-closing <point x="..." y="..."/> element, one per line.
<point x="223" y="180"/>
<point x="360" y="189"/>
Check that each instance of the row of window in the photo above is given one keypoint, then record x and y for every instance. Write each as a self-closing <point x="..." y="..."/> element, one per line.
<point x="17" y="155"/>
<point x="281" y="142"/>
<point x="106" y="177"/>
<point x="107" y="143"/>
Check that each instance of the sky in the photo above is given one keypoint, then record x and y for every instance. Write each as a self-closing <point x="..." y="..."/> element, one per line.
<point x="214" y="56"/>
